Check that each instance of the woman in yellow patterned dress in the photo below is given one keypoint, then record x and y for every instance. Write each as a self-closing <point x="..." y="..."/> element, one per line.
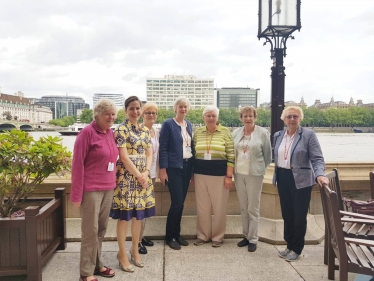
<point x="134" y="197"/>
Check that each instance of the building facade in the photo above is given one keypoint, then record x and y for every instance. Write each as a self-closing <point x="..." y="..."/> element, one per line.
<point x="118" y="99"/>
<point x="62" y="106"/>
<point x="164" y="91"/>
<point x="23" y="109"/>
<point x="237" y="97"/>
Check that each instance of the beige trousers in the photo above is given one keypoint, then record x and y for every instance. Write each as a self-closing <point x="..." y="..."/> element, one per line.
<point x="211" y="199"/>
<point x="94" y="209"/>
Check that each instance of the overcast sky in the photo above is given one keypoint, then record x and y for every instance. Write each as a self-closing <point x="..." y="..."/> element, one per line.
<point x="50" y="47"/>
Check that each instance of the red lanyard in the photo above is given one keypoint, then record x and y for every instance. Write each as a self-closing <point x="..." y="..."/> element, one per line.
<point x="287" y="150"/>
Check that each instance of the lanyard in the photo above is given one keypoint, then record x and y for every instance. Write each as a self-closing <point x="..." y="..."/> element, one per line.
<point x="185" y="136"/>
<point x="246" y="146"/>
<point x="206" y="140"/>
<point x="287" y="150"/>
<point x="110" y="143"/>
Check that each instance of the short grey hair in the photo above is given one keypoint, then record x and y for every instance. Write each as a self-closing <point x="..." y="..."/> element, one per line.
<point x="292" y="107"/>
<point x="102" y="106"/>
<point x="181" y="100"/>
<point x="210" y="108"/>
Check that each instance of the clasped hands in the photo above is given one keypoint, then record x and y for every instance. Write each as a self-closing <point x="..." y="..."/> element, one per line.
<point x="143" y="179"/>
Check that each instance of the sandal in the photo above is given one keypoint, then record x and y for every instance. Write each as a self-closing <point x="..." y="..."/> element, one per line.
<point x="84" y="278"/>
<point x="105" y="273"/>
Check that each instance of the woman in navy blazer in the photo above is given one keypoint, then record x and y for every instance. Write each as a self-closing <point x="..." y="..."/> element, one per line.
<point x="299" y="164"/>
<point x="175" y="159"/>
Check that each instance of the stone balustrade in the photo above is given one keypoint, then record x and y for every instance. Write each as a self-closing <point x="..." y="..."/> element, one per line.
<point x="354" y="180"/>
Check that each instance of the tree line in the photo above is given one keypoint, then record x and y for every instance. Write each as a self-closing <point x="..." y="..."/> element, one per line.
<point x="331" y="117"/>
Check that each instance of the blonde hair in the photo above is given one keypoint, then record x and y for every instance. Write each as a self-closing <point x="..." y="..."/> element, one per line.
<point x="249" y="109"/>
<point x="292" y="107"/>
<point x="149" y="106"/>
<point x="102" y="106"/>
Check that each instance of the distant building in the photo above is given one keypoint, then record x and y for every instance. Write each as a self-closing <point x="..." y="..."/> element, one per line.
<point x="333" y="103"/>
<point x="359" y="103"/>
<point x="267" y="105"/>
<point x="236" y="97"/>
<point x="23" y="109"/>
<point x="62" y="106"/>
<point x="164" y="91"/>
<point x="118" y="99"/>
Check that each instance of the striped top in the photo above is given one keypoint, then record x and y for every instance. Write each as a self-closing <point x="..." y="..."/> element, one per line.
<point x="221" y="147"/>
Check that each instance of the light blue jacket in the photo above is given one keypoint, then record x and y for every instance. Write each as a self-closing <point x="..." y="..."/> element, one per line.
<point x="259" y="149"/>
<point x="306" y="160"/>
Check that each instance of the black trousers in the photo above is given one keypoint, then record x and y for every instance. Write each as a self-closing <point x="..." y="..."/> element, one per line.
<point x="179" y="180"/>
<point x="294" y="204"/>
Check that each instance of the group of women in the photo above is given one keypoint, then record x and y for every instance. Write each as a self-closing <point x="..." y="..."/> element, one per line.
<point x="113" y="175"/>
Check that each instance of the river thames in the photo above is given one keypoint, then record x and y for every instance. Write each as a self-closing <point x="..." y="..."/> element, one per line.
<point x="336" y="147"/>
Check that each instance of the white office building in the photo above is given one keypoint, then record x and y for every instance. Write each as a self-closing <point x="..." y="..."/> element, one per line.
<point x="163" y="91"/>
<point x="118" y="99"/>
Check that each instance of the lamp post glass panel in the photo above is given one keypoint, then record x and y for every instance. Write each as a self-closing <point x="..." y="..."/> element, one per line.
<point x="277" y="19"/>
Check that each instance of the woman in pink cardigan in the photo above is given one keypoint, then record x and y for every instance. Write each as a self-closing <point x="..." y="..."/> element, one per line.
<point x="93" y="181"/>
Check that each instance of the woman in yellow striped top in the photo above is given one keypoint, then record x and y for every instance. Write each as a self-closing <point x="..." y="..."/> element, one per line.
<point x="213" y="170"/>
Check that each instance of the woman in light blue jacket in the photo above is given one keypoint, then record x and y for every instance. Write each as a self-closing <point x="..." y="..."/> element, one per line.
<point x="252" y="157"/>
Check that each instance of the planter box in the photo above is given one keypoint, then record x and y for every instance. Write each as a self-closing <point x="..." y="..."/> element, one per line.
<point x="27" y="243"/>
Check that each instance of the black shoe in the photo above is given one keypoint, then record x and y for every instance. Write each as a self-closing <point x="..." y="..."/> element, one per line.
<point x="243" y="243"/>
<point x="173" y="243"/>
<point x="142" y="249"/>
<point x="252" y="247"/>
<point x="147" y="242"/>
<point x="182" y="242"/>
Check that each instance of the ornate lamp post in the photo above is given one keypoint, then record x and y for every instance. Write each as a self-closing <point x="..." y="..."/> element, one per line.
<point x="277" y="19"/>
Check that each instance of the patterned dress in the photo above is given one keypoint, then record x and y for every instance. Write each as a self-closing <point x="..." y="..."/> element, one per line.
<point x="130" y="199"/>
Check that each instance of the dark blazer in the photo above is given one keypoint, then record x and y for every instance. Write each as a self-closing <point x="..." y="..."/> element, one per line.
<point x="306" y="160"/>
<point x="171" y="144"/>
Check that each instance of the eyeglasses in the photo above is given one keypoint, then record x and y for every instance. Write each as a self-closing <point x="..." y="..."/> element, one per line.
<point x="150" y="113"/>
<point x="292" y="117"/>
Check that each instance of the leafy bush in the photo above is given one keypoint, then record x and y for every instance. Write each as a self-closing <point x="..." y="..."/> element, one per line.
<point x="26" y="163"/>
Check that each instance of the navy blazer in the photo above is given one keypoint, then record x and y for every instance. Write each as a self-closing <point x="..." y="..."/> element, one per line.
<point x="171" y="144"/>
<point x="306" y="160"/>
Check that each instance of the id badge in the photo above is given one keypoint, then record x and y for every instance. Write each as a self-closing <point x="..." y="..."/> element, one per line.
<point x="110" y="166"/>
<point x="286" y="162"/>
<point x="188" y="149"/>
<point x="207" y="156"/>
<point x="243" y="156"/>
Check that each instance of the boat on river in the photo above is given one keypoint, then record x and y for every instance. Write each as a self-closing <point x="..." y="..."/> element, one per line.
<point x="363" y="130"/>
<point x="73" y="130"/>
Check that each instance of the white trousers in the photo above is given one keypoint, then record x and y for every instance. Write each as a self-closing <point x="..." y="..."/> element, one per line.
<point x="249" y="189"/>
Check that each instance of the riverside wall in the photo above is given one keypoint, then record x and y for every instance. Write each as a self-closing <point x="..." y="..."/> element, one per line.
<point x="354" y="179"/>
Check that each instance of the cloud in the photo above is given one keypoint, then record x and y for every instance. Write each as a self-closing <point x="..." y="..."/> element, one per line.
<point x="85" y="47"/>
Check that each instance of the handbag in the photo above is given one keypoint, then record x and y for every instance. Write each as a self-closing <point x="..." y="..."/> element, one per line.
<point x="359" y="206"/>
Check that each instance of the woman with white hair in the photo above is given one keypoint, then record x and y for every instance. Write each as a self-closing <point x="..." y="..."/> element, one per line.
<point x="213" y="172"/>
<point x="175" y="160"/>
<point x="299" y="164"/>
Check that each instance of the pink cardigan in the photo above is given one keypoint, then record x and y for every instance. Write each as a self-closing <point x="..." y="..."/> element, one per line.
<point x="93" y="150"/>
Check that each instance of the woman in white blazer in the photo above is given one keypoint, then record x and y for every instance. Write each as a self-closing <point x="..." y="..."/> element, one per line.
<point x="252" y="156"/>
<point x="299" y="164"/>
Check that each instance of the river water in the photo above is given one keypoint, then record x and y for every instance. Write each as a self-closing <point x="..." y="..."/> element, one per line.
<point x="336" y="147"/>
